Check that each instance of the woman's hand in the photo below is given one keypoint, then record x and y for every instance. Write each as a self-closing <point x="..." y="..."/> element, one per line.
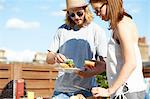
<point x="100" y="92"/>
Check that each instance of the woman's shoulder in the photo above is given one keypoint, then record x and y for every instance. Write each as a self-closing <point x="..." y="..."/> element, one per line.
<point x="126" y="21"/>
<point x="126" y="27"/>
<point x="127" y="24"/>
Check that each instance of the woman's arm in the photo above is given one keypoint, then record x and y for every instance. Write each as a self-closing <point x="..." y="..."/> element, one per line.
<point x="125" y="33"/>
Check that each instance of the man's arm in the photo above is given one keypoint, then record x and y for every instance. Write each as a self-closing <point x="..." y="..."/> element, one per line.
<point x="98" y="68"/>
<point x="50" y="59"/>
<point x="53" y="57"/>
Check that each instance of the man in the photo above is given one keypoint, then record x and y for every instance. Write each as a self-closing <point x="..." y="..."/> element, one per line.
<point x="78" y="39"/>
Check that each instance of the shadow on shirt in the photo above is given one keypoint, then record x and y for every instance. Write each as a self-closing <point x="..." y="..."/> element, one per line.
<point x="78" y="50"/>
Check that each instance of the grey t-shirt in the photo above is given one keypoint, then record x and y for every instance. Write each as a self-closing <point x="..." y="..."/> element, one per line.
<point x="78" y="45"/>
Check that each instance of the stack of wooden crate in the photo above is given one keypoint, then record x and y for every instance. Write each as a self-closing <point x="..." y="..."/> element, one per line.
<point x="146" y="71"/>
<point x="38" y="78"/>
<point x="6" y="74"/>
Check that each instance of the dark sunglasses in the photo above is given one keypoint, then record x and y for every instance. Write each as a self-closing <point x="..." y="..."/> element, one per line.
<point x="79" y="14"/>
<point x="98" y="10"/>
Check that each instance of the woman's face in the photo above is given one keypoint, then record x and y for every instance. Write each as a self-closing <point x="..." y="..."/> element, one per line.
<point x="100" y="10"/>
<point x="77" y="15"/>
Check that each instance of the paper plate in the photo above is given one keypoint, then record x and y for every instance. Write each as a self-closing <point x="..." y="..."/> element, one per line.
<point x="68" y="70"/>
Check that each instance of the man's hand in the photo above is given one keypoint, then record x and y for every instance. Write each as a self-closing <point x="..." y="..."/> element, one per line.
<point x="60" y="58"/>
<point x="53" y="58"/>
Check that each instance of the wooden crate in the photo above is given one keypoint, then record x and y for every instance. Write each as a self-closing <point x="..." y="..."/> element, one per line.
<point x="146" y="71"/>
<point x="6" y="74"/>
<point x="39" y="78"/>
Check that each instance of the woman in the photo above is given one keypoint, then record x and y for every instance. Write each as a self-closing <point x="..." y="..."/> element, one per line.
<point x="79" y="39"/>
<point x="124" y="64"/>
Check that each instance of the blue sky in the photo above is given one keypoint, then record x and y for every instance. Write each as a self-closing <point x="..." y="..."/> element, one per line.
<point x="29" y="25"/>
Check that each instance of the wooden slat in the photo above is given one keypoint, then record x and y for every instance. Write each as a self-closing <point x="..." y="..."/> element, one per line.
<point x="36" y="68"/>
<point x="3" y="82"/>
<point x="51" y="93"/>
<point x="53" y="74"/>
<point x="34" y="65"/>
<point x="37" y="84"/>
<point x="146" y="70"/>
<point x="39" y="67"/>
<point x="35" y="75"/>
<point x="5" y="74"/>
<point x="5" y="65"/>
<point x="147" y="75"/>
<point x="52" y="83"/>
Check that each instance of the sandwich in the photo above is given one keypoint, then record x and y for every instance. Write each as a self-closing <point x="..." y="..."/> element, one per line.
<point x="89" y="63"/>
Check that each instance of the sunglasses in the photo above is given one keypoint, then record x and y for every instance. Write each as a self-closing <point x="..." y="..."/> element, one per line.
<point x="78" y="13"/>
<point x="98" y="9"/>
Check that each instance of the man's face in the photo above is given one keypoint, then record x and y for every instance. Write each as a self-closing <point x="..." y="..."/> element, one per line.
<point x="77" y="15"/>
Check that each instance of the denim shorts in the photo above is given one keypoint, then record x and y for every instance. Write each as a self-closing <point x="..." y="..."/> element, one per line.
<point x="67" y="95"/>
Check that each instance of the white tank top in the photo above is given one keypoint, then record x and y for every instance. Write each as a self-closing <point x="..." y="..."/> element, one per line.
<point x="135" y="82"/>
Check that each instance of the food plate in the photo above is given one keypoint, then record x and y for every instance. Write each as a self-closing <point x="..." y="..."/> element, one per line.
<point x="68" y="70"/>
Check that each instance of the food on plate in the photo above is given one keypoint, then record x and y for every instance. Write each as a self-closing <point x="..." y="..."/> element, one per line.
<point x="64" y="65"/>
<point x="68" y="64"/>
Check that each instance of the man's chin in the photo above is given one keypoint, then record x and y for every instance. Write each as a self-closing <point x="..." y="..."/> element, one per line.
<point x="78" y="23"/>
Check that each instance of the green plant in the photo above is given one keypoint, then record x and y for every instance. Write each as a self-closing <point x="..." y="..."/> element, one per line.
<point x="102" y="80"/>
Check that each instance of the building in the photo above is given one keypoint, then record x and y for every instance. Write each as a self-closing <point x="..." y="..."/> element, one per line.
<point x="40" y="57"/>
<point x="144" y="49"/>
<point x="2" y="56"/>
